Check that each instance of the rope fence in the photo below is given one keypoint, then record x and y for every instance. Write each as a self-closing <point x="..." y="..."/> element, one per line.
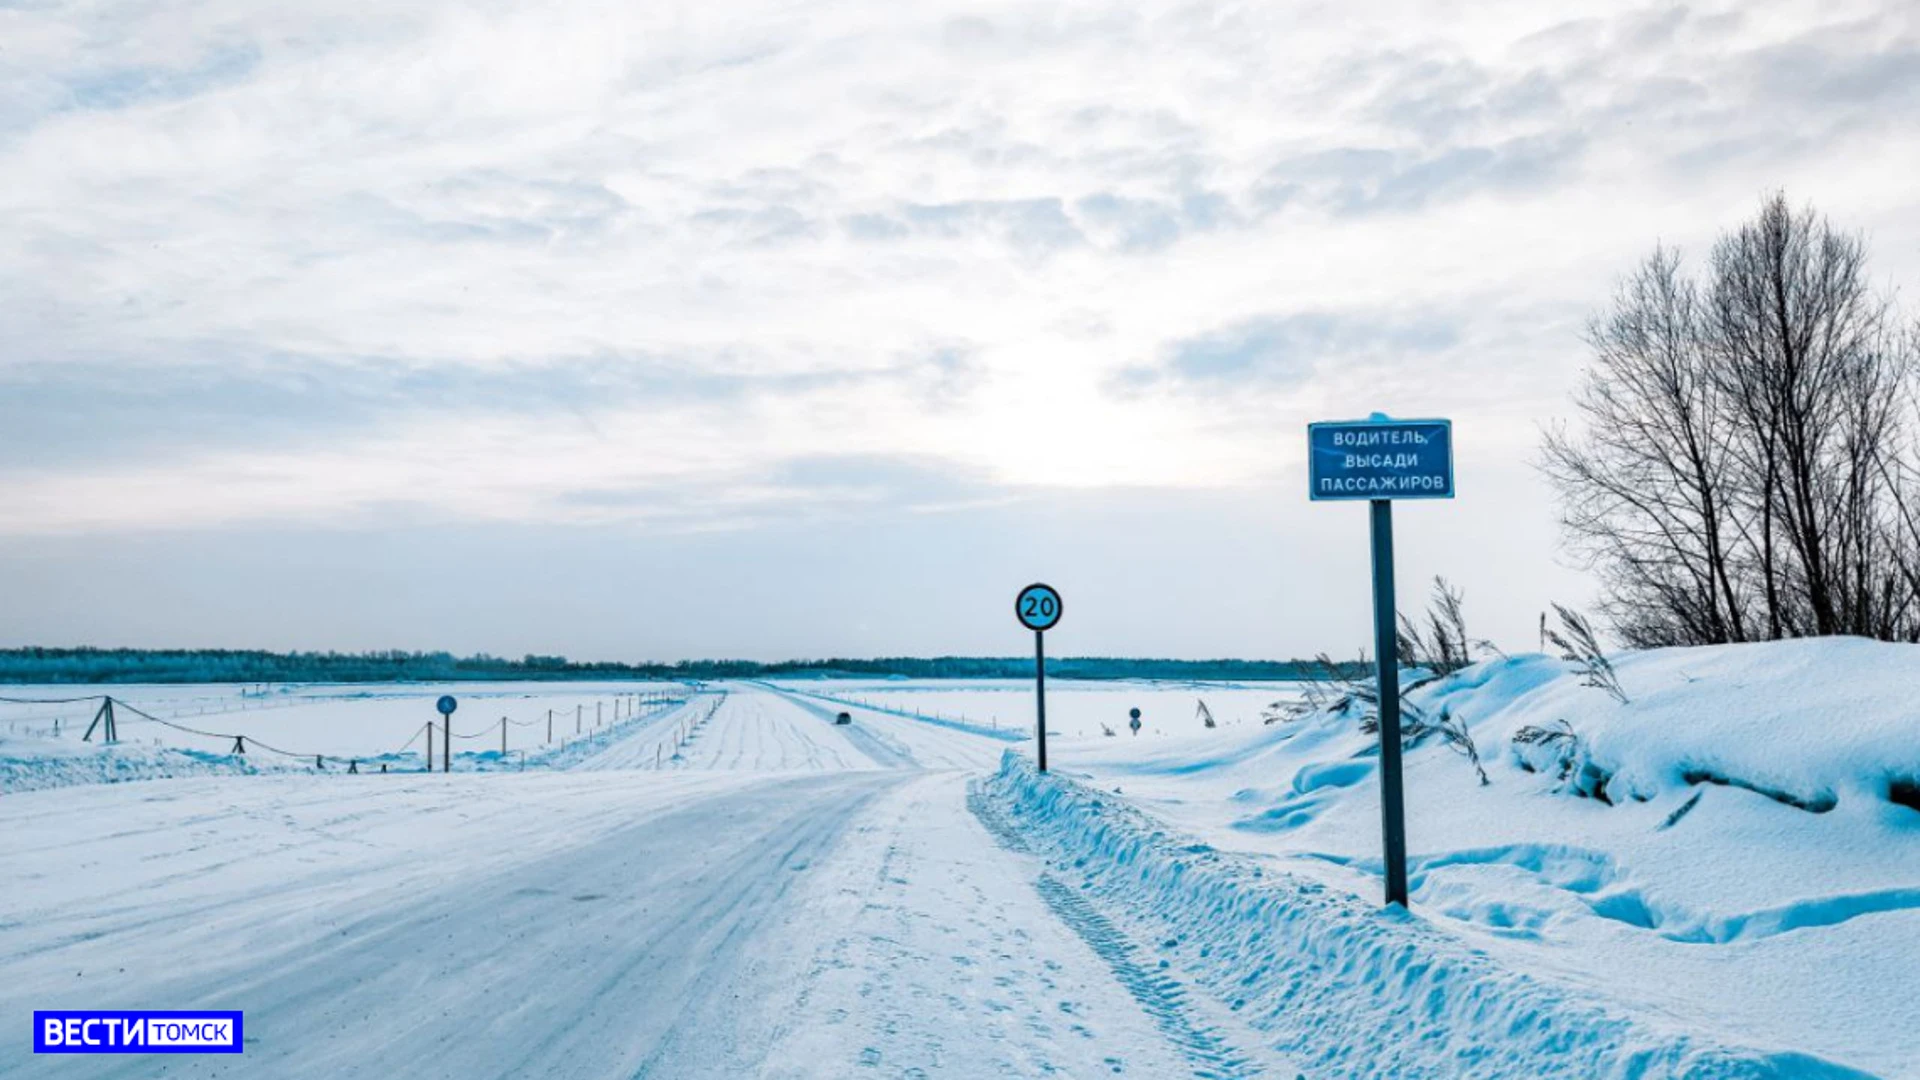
<point x="106" y="721"/>
<point x="687" y="731"/>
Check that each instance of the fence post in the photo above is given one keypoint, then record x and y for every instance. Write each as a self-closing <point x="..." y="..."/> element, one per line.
<point x="577" y="709"/>
<point x="549" y="726"/>
<point x="239" y="745"/>
<point x="429" y="746"/>
<point x="503" y="736"/>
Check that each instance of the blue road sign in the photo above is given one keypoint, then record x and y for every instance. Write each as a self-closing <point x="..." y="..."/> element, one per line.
<point x="1380" y="459"/>
<point x="446" y="705"/>
<point x="1038" y="607"/>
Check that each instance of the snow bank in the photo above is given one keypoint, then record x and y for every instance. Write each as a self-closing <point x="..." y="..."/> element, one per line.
<point x="30" y="764"/>
<point x="1344" y="987"/>
<point x="39" y="764"/>
<point x="1806" y="723"/>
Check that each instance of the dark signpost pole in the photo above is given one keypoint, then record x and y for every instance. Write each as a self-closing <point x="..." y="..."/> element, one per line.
<point x="1386" y="651"/>
<point x="1379" y="460"/>
<point x="1038" y="608"/>
<point x="446" y="705"/>
<point x="1040" y="692"/>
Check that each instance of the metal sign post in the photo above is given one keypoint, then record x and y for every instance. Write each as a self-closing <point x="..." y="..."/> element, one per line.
<point x="1386" y="651"/>
<point x="1379" y="460"/>
<point x="446" y="705"/>
<point x="1038" y="608"/>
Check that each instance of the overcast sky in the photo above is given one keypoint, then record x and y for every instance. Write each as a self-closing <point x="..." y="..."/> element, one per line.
<point x="660" y="330"/>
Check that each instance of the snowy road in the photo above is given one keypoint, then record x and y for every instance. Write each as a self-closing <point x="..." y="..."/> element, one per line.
<point x="788" y="898"/>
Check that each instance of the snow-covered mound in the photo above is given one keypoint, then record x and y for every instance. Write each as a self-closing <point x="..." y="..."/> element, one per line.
<point x="29" y="763"/>
<point x="1736" y="845"/>
<point x="32" y="764"/>
<point x="1344" y="987"/>
<point x="1806" y="722"/>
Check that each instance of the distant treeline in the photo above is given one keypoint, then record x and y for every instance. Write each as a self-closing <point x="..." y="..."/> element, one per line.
<point x="86" y="665"/>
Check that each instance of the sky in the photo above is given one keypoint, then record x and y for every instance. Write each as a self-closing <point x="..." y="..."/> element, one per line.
<point x="650" y="331"/>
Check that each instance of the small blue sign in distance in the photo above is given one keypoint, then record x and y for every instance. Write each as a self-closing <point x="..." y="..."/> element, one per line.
<point x="1380" y="459"/>
<point x="446" y="704"/>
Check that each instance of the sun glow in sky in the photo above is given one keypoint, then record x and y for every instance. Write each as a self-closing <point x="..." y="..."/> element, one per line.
<point x="790" y="329"/>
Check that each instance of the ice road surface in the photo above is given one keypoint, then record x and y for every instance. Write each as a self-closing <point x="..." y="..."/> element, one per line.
<point x="731" y="884"/>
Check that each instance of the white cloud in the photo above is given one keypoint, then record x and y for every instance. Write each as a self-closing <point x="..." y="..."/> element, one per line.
<point x="631" y="261"/>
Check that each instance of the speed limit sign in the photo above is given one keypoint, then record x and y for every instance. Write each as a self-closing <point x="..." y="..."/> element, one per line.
<point x="1038" y="607"/>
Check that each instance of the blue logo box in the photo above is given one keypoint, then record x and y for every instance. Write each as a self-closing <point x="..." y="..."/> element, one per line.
<point x="137" y="1031"/>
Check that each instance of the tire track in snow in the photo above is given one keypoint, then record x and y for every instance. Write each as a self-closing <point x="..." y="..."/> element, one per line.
<point x="637" y="954"/>
<point x="1163" y="998"/>
<point x="884" y="752"/>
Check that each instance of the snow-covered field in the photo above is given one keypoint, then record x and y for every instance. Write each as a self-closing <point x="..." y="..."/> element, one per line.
<point x="1719" y="877"/>
<point x="1075" y="709"/>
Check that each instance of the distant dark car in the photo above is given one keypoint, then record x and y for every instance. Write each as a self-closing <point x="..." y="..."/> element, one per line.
<point x="843" y="718"/>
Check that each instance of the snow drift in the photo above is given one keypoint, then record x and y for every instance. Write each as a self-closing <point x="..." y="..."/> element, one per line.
<point x="1344" y="987"/>
<point x="1730" y="851"/>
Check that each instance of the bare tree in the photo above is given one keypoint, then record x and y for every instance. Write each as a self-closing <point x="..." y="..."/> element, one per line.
<point x="1801" y="349"/>
<point x="1646" y="487"/>
<point x="1740" y="471"/>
